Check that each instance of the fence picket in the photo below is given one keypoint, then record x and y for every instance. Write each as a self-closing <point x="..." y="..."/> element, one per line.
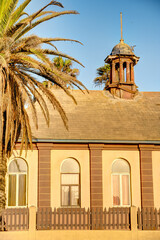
<point x="63" y="215"/>
<point x="92" y="217"/>
<point x="19" y="218"/>
<point x="105" y="216"/>
<point x="50" y="218"/>
<point x="67" y="219"/>
<point x="148" y="218"/>
<point x="84" y="218"/>
<point x="15" y="219"/>
<point x="7" y="220"/>
<point x="109" y="219"/>
<point x="46" y="219"/>
<point x="122" y="224"/>
<point x="88" y="219"/>
<point x="118" y="217"/>
<point x="54" y="216"/>
<point x="2" y="223"/>
<point x="58" y="218"/>
<point x="139" y="219"/>
<point x="113" y="218"/>
<point x="101" y="219"/>
<point x="80" y="218"/>
<point x="76" y="218"/>
<point x="156" y="219"/>
<point x="97" y="215"/>
<point x="152" y="220"/>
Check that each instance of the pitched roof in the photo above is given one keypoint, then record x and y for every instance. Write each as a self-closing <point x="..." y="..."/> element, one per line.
<point x="99" y="116"/>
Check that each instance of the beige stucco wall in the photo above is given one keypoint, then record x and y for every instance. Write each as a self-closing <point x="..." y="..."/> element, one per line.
<point x="57" y="157"/>
<point x="108" y="156"/>
<point x="81" y="235"/>
<point x="156" y="177"/>
<point x="32" y="181"/>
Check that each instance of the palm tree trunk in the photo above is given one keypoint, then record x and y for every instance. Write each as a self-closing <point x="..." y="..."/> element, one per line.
<point x="3" y="160"/>
<point x="3" y="170"/>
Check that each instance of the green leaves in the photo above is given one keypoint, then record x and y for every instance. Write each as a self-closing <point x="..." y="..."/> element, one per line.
<point x="17" y="13"/>
<point x="22" y="59"/>
<point x="103" y="75"/>
<point x="5" y="13"/>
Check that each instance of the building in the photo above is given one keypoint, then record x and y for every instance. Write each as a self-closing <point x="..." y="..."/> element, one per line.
<point x="108" y="158"/>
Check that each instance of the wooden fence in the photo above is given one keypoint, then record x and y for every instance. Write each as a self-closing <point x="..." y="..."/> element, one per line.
<point x="148" y="219"/>
<point x="13" y="219"/>
<point x="72" y="219"/>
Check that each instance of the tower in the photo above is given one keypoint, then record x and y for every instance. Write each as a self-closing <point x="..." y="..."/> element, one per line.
<point x="122" y="61"/>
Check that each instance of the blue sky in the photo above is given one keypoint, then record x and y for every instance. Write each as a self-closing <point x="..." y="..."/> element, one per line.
<point x="98" y="28"/>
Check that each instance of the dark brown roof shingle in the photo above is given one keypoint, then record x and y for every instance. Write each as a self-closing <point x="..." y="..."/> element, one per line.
<point x="99" y="116"/>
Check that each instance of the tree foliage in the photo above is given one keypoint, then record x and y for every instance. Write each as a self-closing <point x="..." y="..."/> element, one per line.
<point x="103" y="75"/>
<point x="22" y="59"/>
<point x="65" y="66"/>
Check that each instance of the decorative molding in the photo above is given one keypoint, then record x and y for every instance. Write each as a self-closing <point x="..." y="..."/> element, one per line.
<point x="18" y="146"/>
<point x="95" y="146"/>
<point x="44" y="146"/>
<point x="70" y="146"/>
<point x="146" y="147"/>
<point x="128" y="147"/>
<point x="87" y="146"/>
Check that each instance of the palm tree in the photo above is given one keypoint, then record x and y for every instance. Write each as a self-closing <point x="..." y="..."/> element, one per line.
<point x="65" y="66"/>
<point x="103" y="75"/>
<point x="22" y="58"/>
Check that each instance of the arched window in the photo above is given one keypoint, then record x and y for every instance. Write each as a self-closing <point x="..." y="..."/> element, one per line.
<point x="70" y="179"/>
<point x="121" y="183"/>
<point x="17" y="183"/>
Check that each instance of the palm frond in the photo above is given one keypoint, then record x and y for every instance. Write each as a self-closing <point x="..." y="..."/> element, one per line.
<point x="17" y="13"/>
<point x="22" y="59"/>
<point x="5" y="15"/>
<point x="44" y="19"/>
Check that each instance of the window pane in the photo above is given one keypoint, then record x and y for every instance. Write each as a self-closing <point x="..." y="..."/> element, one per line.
<point x="70" y="166"/>
<point x="120" y="166"/>
<point x="116" y="189"/>
<point x="125" y="190"/>
<point x="22" y="190"/>
<point x="70" y="178"/>
<point x="18" y="165"/>
<point x="74" y="196"/>
<point x="12" y="190"/>
<point x="65" y="196"/>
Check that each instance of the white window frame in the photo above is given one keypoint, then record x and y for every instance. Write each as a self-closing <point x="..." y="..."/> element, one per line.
<point x="17" y="184"/>
<point x="120" y="183"/>
<point x="78" y="185"/>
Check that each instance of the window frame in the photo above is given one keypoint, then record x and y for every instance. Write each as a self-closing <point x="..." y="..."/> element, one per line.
<point x="17" y="174"/>
<point x="120" y="183"/>
<point x="70" y="185"/>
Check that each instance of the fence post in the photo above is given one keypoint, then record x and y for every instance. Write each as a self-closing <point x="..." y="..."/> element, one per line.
<point x="133" y="221"/>
<point x="32" y="223"/>
<point x="133" y="218"/>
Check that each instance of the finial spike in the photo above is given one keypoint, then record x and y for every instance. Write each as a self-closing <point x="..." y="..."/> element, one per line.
<point x="121" y="28"/>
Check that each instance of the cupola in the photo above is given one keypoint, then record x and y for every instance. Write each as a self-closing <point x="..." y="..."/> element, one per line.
<point x="122" y="61"/>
